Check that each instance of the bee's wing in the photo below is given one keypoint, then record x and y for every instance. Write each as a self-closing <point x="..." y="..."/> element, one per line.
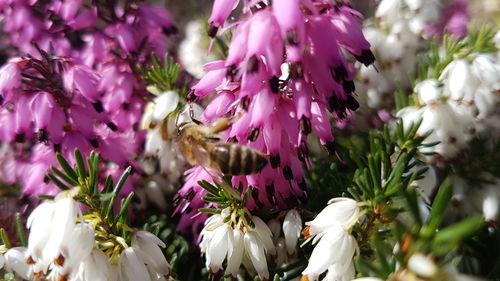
<point x="201" y="154"/>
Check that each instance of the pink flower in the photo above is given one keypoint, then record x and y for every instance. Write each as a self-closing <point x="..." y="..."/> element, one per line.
<point x="274" y="112"/>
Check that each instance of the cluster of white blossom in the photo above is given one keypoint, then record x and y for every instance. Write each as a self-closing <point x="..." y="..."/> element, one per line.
<point x="400" y="30"/>
<point x="335" y="246"/>
<point x="460" y="105"/>
<point x="227" y="237"/>
<point x="62" y="246"/>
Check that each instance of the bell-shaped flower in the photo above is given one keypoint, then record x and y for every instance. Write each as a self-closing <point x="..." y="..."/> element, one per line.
<point x="336" y="248"/>
<point x="292" y="225"/>
<point x="95" y="267"/>
<point x="341" y="211"/>
<point x="147" y="246"/>
<point x="15" y="260"/>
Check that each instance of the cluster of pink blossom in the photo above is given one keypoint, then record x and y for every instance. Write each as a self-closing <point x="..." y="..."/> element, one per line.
<point x="285" y="76"/>
<point x="78" y="86"/>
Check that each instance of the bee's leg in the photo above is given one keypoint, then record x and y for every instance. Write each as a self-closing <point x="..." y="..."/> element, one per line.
<point x="220" y="125"/>
<point x="191" y="115"/>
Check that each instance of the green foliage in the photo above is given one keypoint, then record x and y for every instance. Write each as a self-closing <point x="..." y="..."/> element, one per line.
<point x="165" y="76"/>
<point x="384" y="180"/>
<point x="83" y="179"/>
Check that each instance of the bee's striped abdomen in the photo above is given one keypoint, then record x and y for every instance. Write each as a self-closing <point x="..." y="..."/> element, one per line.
<point x="234" y="159"/>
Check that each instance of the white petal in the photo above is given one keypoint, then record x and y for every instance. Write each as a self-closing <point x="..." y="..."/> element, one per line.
<point x="255" y="251"/>
<point x="422" y="265"/>
<point x="217" y="249"/>
<point x="2" y="260"/>
<point x="131" y="267"/>
<point x="428" y="91"/>
<point x="292" y="225"/>
<point x="146" y="245"/>
<point x="165" y="104"/>
<point x="15" y="259"/>
<point x="265" y="235"/>
<point x="95" y="267"/>
<point x="235" y="255"/>
<point x="325" y="253"/>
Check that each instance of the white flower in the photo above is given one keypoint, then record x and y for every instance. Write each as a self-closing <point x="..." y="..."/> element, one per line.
<point x="95" y="267"/>
<point x="223" y="241"/>
<point x="367" y="279"/>
<point x="428" y="91"/>
<point x="292" y="225"/>
<point x="460" y="81"/>
<point x="159" y="109"/>
<point x="340" y="211"/>
<point x="15" y="260"/>
<point x="191" y="53"/>
<point x="148" y="247"/>
<point x="336" y="247"/>
<point x="131" y="267"/>
<point x="422" y="265"/>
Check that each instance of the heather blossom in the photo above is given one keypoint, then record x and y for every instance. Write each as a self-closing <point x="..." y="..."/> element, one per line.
<point x="79" y="85"/>
<point x="275" y="114"/>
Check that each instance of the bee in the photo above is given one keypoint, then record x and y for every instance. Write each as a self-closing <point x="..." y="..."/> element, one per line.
<point x="200" y="144"/>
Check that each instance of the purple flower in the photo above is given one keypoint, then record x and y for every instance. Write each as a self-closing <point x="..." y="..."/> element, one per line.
<point x="85" y="92"/>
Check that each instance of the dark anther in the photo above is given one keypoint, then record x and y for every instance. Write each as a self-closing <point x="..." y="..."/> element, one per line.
<point x="302" y="185"/>
<point x="75" y="39"/>
<point x="254" y="134"/>
<point x="112" y="126"/>
<point x="94" y="142"/>
<point x="171" y="30"/>
<point x="352" y="103"/>
<point x="255" y="196"/>
<point x="46" y="179"/>
<point x="1" y="99"/>
<point x="291" y="201"/>
<point x="233" y="139"/>
<point x="98" y="106"/>
<point x="348" y="86"/>
<point x="212" y="30"/>
<point x="231" y="71"/>
<point x="339" y="73"/>
<point x="292" y="38"/>
<point x="270" y="193"/>
<point x="245" y="102"/>
<point x="253" y="64"/>
<point x="188" y="209"/>
<point x="333" y="102"/>
<point x="20" y="138"/>
<point x="296" y="70"/>
<point x="191" y="97"/>
<point x="125" y="105"/>
<point x="341" y="114"/>
<point x="287" y="173"/>
<point x="275" y="161"/>
<point x="330" y="147"/>
<point x="259" y="6"/>
<point x="57" y="147"/>
<point x="305" y="125"/>
<point x="189" y="195"/>
<point x="274" y="82"/>
<point x="303" y="198"/>
<point x="135" y="126"/>
<point x="366" y="57"/>
<point x="42" y="135"/>
<point x="303" y="152"/>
